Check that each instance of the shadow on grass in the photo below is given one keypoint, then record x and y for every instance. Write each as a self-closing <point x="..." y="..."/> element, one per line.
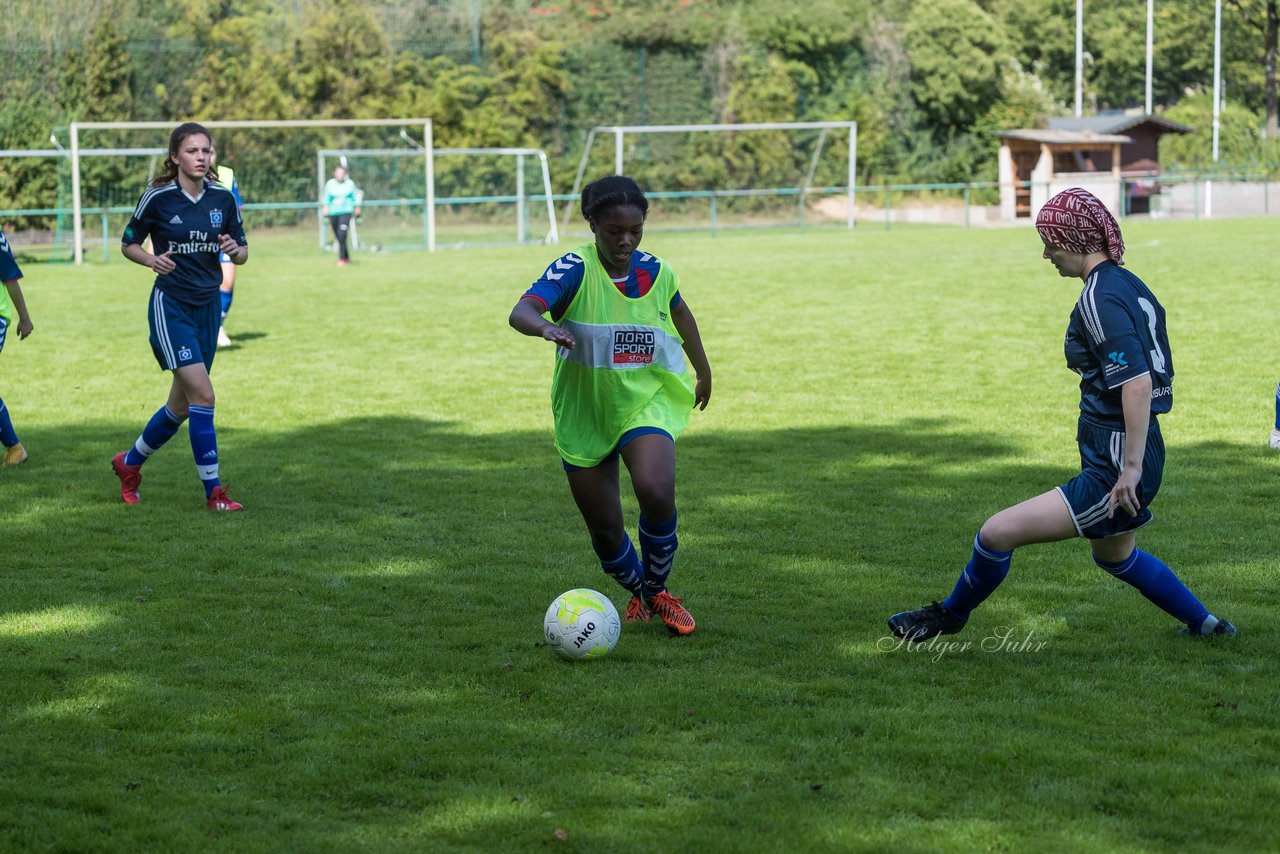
<point x="357" y="657"/>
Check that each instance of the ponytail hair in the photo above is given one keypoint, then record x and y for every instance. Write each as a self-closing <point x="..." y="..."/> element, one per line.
<point x="179" y="136"/>
<point x="611" y="192"/>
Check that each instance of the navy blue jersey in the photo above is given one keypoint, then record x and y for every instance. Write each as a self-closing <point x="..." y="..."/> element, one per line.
<point x="559" y="284"/>
<point x="188" y="229"/>
<point x="9" y="271"/>
<point x="1117" y="334"/>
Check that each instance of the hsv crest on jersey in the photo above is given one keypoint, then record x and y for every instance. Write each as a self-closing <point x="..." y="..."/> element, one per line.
<point x="215" y="218"/>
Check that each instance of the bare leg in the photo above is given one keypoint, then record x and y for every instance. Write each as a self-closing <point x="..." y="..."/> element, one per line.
<point x="1043" y="519"/>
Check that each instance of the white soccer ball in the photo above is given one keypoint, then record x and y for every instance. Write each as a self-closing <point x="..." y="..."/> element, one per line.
<point x="582" y="623"/>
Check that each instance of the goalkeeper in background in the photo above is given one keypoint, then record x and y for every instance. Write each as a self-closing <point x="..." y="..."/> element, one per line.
<point x="341" y="202"/>
<point x="227" y="178"/>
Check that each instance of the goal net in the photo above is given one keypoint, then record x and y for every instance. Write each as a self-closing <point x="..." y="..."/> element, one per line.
<point x="37" y="220"/>
<point x="483" y="196"/>
<point x="108" y="165"/>
<point x="730" y="175"/>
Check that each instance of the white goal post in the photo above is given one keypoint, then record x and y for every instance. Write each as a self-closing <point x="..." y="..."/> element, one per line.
<point x="620" y="131"/>
<point x="520" y="198"/>
<point x="426" y="153"/>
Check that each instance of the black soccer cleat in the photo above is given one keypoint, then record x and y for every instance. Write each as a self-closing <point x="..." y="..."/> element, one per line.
<point x="1221" y="627"/>
<point x="926" y="622"/>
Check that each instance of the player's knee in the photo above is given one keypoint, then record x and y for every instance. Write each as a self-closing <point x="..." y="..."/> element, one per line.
<point x="657" y="500"/>
<point x="997" y="535"/>
<point x="1110" y="559"/>
<point x="606" y="536"/>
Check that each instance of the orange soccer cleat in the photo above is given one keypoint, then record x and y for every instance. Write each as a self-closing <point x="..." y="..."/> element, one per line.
<point x="677" y="620"/>
<point x="130" y="478"/>
<point x="637" y="611"/>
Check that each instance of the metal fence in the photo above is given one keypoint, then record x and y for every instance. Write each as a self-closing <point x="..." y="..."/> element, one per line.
<point x="877" y="206"/>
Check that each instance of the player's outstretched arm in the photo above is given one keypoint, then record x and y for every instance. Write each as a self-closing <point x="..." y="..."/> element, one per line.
<point x="526" y="318"/>
<point x="685" y="324"/>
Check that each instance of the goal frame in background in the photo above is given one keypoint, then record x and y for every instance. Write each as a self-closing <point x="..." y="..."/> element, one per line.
<point x="59" y="154"/>
<point x="426" y="152"/>
<point x="520" y="198"/>
<point x="620" y="131"/>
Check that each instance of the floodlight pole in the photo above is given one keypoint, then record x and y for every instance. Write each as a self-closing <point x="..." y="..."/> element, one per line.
<point x="1217" y="99"/>
<point x="1079" y="57"/>
<point x="1150" y="30"/>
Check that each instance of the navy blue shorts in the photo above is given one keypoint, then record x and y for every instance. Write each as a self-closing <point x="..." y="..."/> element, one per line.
<point x="180" y="334"/>
<point x="1101" y="458"/>
<point x="627" y="437"/>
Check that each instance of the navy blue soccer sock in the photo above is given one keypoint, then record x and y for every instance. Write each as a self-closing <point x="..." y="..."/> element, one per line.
<point x="658" y="544"/>
<point x="227" y="296"/>
<point x="622" y="565"/>
<point x="981" y="576"/>
<point x="1278" y="407"/>
<point x="160" y="429"/>
<point x="1158" y="583"/>
<point x="204" y="445"/>
<point x="8" y="438"/>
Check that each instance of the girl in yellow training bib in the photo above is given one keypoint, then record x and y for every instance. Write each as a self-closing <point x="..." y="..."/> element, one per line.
<point x="621" y="388"/>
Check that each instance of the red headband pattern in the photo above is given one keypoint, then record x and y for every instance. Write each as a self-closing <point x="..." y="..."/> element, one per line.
<point x="1077" y="221"/>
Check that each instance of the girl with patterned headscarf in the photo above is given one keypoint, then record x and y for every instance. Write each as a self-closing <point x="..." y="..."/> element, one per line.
<point x="1117" y="343"/>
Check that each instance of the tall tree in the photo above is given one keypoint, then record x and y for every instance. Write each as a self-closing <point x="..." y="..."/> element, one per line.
<point x="1264" y="16"/>
<point x="958" y="54"/>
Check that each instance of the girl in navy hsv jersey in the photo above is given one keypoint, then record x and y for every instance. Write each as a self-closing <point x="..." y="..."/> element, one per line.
<point x="1116" y="341"/>
<point x="191" y="221"/>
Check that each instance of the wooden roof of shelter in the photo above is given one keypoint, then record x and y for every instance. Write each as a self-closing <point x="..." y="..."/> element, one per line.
<point x="1113" y="123"/>
<point x="1051" y="136"/>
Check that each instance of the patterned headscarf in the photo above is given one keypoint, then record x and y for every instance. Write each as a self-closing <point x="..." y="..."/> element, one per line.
<point x="1078" y="221"/>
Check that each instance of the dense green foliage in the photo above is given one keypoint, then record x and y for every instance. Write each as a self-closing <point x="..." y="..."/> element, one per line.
<point x="928" y="80"/>
<point x="355" y="662"/>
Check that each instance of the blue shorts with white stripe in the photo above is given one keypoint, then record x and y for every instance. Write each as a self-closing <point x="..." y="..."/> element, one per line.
<point x="183" y="335"/>
<point x="1102" y="450"/>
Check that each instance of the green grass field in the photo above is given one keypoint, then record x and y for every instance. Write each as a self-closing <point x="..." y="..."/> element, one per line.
<point x="356" y="662"/>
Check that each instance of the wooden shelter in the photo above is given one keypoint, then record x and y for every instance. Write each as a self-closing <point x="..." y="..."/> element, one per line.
<point x="1110" y="155"/>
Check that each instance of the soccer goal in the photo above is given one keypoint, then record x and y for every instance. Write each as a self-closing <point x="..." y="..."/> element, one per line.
<point x="278" y="185"/>
<point x="725" y="175"/>
<point x="38" y="230"/>
<point x="484" y="196"/>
